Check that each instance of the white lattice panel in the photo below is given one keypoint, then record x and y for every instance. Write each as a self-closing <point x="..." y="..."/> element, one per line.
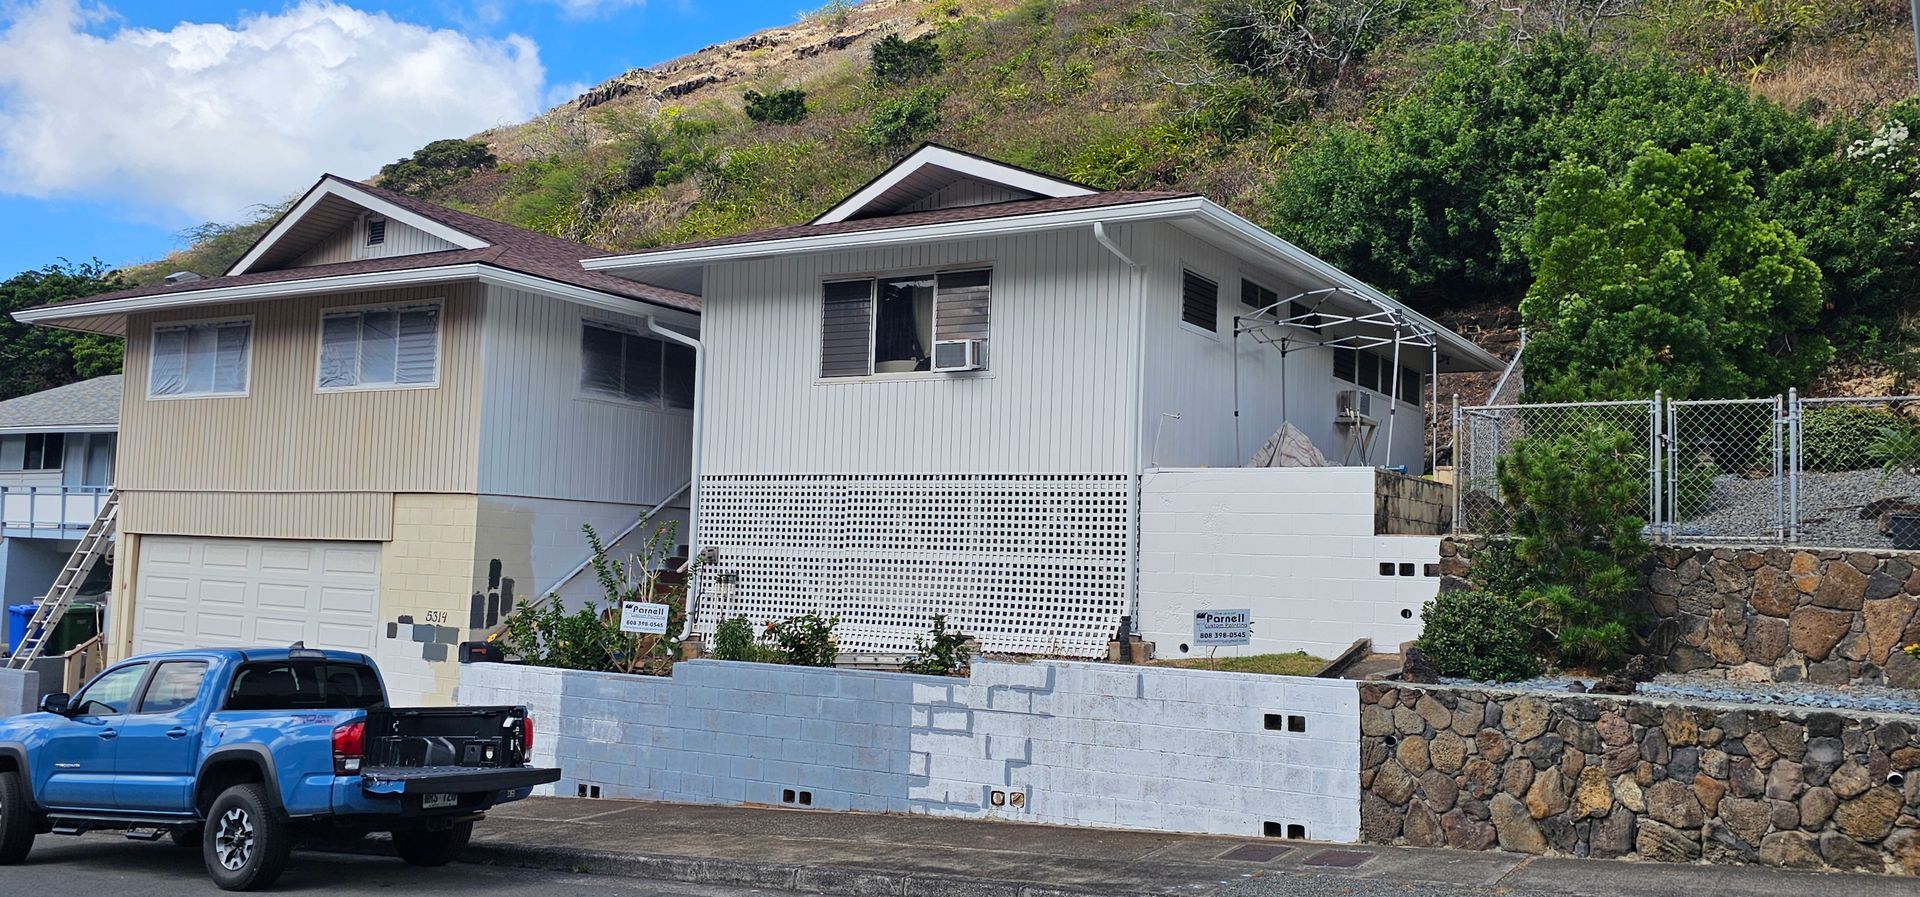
<point x="1028" y="564"/>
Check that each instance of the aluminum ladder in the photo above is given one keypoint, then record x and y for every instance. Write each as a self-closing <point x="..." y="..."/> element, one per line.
<point x="92" y="547"/>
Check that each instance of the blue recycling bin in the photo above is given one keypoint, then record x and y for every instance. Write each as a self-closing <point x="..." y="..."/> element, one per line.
<point x="18" y="616"/>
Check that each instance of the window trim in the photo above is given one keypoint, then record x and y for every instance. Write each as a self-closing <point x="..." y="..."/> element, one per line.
<point x="1180" y="303"/>
<point x="246" y="364"/>
<point x="146" y="685"/>
<point x="583" y="394"/>
<point x="439" y="344"/>
<point x="873" y="278"/>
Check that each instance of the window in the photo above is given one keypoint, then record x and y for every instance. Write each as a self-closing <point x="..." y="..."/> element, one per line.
<point x="1199" y="301"/>
<point x="111" y="693"/>
<point x="380" y="347"/>
<point x="889" y="325"/>
<point x="298" y="684"/>
<point x="621" y="364"/>
<point x="33" y="451"/>
<point x="1410" y="392"/>
<point x="1364" y="368"/>
<point x="1255" y="296"/>
<point x="200" y="359"/>
<point x="376" y="231"/>
<point x="175" y="685"/>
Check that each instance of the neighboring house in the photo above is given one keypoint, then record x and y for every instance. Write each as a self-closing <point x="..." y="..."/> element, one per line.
<point x="56" y="468"/>
<point x="944" y="395"/>
<point x="381" y="425"/>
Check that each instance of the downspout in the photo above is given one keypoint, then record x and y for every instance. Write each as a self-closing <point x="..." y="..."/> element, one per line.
<point x="699" y="415"/>
<point x="1138" y="415"/>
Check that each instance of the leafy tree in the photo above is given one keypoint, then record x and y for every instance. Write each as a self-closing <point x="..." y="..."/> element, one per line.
<point x="437" y="165"/>
<point x="782" y="107"/>
<point x="899" y="122"/>
<point x="1310" y="46"/>
<point x="37" y="358"/>
<point x="1579" y="503"/>
<point x="1667" y="272"/>
<point x="896" y="61"/>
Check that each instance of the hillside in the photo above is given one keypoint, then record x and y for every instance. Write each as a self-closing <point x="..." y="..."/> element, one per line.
<point x="1184" y="95"/>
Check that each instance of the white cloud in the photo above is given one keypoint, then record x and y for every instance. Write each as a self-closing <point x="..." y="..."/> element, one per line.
<point x="208" y="119"/>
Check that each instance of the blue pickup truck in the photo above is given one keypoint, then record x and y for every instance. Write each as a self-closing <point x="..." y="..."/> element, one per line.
<point x="239" y="752"/>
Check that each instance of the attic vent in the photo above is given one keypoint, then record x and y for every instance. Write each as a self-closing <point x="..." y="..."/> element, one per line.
<point x="376" y="231"/>
<point x="179" y="277"/>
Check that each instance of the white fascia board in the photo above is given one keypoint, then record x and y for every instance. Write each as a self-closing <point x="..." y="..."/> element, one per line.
<point x="340" y="283"/>
<point x="1246" y="230"/>
<point x="954" y="230"/>
<point x="961" y="163"/>
<point x="368" y="201"/>
<point x="61" y="428"/>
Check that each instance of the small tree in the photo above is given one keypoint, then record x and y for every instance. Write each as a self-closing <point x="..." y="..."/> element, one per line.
<point x="896" y="61"/>
<point x="1578" y="503"/>
<point x="439" y="164"/>
<point x="782" y="107"/>
<point x="899" y="122"/>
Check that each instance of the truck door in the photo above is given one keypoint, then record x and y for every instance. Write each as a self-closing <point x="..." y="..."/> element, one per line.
<point x="160" y="741"/>
<point x="78" y="756"/>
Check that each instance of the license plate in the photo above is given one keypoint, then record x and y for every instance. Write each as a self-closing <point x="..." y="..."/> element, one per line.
<point x="436" y="801"/>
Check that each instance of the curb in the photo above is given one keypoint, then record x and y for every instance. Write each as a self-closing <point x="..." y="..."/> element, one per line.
<point x="842" y="881"/>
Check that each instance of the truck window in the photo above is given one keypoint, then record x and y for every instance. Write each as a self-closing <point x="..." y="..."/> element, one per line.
<point x="175" y="684"/>
<point x="304" y="684"/>
<point x="111" y="693"/>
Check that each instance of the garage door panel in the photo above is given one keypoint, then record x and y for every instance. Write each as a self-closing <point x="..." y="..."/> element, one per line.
<point x="204" y="592"/>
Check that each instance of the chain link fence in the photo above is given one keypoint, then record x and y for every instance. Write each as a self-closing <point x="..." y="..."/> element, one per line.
<point x="1831" y="473"/>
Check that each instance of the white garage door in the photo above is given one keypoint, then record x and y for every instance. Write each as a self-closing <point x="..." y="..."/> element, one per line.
<point x="194" y="592"/>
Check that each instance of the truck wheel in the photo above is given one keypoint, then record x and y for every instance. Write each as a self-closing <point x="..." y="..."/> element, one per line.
<point x="420" y="847"/>
<point x="247" y="840"/>
<point x="16" y="820"/>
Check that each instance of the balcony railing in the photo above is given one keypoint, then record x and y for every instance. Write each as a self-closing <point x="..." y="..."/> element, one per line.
<point x="52" y="511"/>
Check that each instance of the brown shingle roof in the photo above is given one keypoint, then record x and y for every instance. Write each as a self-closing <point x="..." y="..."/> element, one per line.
<point x="512" y="249"/>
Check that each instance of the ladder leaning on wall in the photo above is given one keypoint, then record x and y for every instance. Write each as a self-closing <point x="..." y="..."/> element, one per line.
<point x="85" y="556"/>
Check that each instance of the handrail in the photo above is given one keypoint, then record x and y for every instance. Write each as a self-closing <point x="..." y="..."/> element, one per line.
<point x="1512" y="366"/>
<point x="543" y="595"/>
<point x="60" y="493"/>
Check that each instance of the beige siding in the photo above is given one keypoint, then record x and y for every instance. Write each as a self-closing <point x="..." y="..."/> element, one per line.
<point x="1056" y="399"/>
<point x="546" y="440"/>
<point x="284" y="436"/>
<point x="353" y="516"/>
<point x="348" y="244"/>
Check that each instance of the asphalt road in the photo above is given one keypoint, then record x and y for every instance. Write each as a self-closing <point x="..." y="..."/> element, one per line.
<point x="106" y="865"/>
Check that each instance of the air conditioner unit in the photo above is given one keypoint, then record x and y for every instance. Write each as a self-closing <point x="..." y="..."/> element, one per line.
<point x="954" y="355"/>
<point x="1354" y="406"/>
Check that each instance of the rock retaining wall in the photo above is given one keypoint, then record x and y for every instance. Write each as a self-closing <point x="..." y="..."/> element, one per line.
<point x="1585" y="775"/>
<point x="1770" y="614"/>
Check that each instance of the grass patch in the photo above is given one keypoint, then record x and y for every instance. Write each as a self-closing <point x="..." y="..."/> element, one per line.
<point x="1296" y="663"/>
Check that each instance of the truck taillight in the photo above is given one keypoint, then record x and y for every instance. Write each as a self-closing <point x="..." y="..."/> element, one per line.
<point x="526" y="737"/>
<point x="349" y="747"/>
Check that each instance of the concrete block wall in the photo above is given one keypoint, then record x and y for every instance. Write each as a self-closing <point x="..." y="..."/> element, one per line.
<point x="1051" y="742"/>
<point x="426" y="574"/>
<point x="1294" y="545"/>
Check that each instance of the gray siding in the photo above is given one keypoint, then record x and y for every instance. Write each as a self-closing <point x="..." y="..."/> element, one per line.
<point x="544" y="439"/>
<point x="346" y="245"/>
<point x="1056" y="399"/>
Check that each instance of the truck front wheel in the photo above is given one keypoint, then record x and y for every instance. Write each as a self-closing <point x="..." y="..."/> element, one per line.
<point x="17" y="821"/>
<point x="247" y="840"/>
<point x="423" y="847"/>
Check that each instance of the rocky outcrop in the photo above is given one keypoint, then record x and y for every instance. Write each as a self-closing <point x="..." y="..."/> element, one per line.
<point x="1582" y="775"/>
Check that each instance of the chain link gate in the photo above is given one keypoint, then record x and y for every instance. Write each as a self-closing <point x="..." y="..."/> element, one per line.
<point x="1728" y="470"/>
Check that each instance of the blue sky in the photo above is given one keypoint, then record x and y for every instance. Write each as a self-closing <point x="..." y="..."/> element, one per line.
<point x="124" y="121"/>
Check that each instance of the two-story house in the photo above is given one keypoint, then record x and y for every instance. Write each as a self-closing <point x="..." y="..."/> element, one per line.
<point x="56" y="468"/>
<point x="386" y="421"/>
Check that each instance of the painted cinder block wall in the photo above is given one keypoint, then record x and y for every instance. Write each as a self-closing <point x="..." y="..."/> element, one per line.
<point x="1295" y="545"/>
<point x="1078" y="744"/>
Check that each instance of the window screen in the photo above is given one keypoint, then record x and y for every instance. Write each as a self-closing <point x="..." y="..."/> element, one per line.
<point x="199" y="359"/>
<point x="625" y="365"/>
<point x="846" y="329"/>
<point x="33" y="451"/>
<point x="392" y="346"/>
<point x="1255" y="296"/>
<point x="1199" y="301"/>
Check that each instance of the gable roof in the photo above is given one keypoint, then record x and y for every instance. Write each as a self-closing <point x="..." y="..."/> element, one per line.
<point x="933" y="168"/>
<point x="89" y="405"/>
<point x="334" y="202"/>
<point x="494" y="246"/>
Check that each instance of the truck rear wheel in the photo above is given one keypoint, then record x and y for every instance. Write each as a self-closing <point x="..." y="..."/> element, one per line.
<point x="247" y="840"/>
<point x="16" y="820"/>
<point x="421" y="847"/>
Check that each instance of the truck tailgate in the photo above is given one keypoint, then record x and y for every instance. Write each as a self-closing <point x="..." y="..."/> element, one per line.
<point x="449" y="750"/>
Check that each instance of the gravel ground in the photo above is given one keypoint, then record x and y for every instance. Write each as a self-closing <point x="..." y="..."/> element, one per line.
<point x="1830" y="506"/>
<point x="1869" y="698"/>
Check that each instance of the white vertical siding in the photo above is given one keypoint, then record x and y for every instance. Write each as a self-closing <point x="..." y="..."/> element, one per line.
<point x="967" y="192"/>
<point x="1055" y="400"/>
<point x="1192" y="374"/>
<point x="348" y="244"/>
<point x="543" y="439"/>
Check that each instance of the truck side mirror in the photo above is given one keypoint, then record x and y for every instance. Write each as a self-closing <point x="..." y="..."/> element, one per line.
<point x="55" y="703"/>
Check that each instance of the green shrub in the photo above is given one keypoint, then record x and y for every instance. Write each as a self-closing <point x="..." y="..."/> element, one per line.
<point x="1480" y="635"/>
<point x="590" y="638"/>
<point x="782" y="107"/>
<point x="806" y="640"/>
<point x="1843" y="437"/>
<point x="942" y="655"/>
<point x="896" y="61"/>
<point x="733" y="639"/>
<point x="902" y="121"/>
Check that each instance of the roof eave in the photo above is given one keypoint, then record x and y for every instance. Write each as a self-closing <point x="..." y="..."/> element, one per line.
<point x="333" y="185"/>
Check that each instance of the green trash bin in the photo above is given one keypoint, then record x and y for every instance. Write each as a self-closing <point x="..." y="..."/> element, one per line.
<point x="80" y="623"/>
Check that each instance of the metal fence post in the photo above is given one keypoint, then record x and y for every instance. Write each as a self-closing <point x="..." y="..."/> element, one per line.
<point x="1794" y="462"/>
<point x="1779" y="470"/>
<point x="1655" y="487"/>
<point x="1462" y="468"/>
